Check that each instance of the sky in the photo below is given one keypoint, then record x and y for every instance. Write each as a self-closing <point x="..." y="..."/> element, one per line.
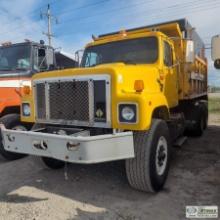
<point x="76" y="20"/>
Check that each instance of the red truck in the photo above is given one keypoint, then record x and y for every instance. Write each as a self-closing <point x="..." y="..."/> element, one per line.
<point x="18" y="62"/>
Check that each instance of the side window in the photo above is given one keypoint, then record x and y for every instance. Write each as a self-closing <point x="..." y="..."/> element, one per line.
<point x="91" y="59"/>
<point x="42" y="64"/>
<point x="168" y="56"/>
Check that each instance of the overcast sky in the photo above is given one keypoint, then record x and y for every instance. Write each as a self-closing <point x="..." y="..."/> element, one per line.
<point x="79" y="19"/>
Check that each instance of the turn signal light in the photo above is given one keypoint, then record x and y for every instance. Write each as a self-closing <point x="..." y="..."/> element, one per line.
<point x="26" y="90"/>
<point x="139" y="85"/>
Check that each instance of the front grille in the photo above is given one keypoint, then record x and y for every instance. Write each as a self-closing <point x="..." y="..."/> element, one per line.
<point x="40" y="100"/>
<point x="80" y="101"/>
<point x="70" y="100"/>
<point x="66" y="102"/>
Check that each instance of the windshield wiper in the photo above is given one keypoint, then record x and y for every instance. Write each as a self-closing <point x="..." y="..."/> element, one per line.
<point x="20" y="68"/>
<point x="96" y="64"/>
<point x="126" y="62"/>
<point x="5" y="69"/>
<point x="118" y="61"/>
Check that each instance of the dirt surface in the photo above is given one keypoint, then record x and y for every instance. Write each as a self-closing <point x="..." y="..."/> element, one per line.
<point x="30" y="191"/>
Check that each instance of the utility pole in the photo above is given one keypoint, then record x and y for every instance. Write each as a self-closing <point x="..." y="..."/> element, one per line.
<point x="49" y="17"/>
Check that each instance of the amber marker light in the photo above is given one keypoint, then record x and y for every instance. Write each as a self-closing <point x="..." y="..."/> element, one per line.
<point x="139" y="85"/>
<point x="123" y="33"/>
<point x="26" y="90"/>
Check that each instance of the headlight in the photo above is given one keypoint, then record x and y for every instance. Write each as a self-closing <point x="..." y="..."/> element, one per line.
<point x="127" y="113"/>
<point x="26" y="111"/>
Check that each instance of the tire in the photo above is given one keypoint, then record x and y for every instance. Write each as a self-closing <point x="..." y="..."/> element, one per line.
<point x="144" y="172"/>
<point x="201" y="121"/>
<point x="11" y="121"/>
<point x="205" y="114"/>
<point x="53" y="163"/>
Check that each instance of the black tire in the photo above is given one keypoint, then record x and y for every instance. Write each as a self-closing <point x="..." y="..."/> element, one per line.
<point x="201" y="120"/>
<point x="142" y="170"/>
<point x="53" y="163"/>
<point x="11" y="121"/>
<point x="205" y="114"/>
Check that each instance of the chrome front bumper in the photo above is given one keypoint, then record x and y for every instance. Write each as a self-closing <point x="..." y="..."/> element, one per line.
<point x="75" y="149"/>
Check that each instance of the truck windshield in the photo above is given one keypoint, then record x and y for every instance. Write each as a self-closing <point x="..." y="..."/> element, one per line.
<point x="134" y="51"/>
<point x="15" y="58"/>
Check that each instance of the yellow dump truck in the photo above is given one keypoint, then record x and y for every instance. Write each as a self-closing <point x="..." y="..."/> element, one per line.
<point x="135" y="93"/>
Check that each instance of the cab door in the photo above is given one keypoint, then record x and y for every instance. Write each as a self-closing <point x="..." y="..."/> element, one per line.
<point x="170" y="73"/>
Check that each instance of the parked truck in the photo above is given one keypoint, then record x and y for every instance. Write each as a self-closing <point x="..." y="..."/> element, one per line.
<point x="18" y="62"/>
<point x="136" y="92"/>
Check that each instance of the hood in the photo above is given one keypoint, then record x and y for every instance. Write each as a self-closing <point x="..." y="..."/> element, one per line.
<point x="122" y="75"/>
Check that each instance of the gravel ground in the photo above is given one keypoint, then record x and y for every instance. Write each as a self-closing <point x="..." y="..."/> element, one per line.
<point x="30" y="191"/>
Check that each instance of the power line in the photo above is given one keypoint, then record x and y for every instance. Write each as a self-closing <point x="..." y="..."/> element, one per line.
<point x="52" y="2"/>
<point x="182" y="5"/>
<point x="44" y="5"/>
<point x="108" y="11"/>
<point x="31" y="12"/>
<point x="82" y="7"/>
<point x="176" y="6"/>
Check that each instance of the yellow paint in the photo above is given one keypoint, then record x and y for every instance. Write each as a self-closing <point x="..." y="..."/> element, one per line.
<point x="163" y="86"/>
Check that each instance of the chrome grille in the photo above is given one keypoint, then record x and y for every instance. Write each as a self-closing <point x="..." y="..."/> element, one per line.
<point x="40" y="100"/>
<point x="74" y="101"/>
<point x="70" y="100"/>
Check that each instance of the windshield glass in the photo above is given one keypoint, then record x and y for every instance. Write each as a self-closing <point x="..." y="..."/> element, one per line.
<point x="15" y="58"/>
<point x="135" y="51"/>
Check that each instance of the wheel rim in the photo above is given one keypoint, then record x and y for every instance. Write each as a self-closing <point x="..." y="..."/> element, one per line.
<point x="161" y="155"/>
<point x="19" y="128"/>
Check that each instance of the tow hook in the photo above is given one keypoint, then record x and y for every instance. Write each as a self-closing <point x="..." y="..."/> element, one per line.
<point x="40" y="145"/>
<point x="71" y="146"/>
<point x="10" y="138"/>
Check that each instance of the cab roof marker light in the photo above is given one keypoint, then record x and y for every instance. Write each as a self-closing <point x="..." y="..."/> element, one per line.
<point x="123" y="33"/>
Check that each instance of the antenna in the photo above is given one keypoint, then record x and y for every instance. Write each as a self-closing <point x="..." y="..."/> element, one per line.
<point x="49" y="17"/>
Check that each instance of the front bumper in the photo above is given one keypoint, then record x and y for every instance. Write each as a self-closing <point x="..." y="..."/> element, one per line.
<point x="75" y="149"/>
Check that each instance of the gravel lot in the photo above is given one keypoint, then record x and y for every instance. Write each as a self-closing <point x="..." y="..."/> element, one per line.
<point x="30" y="191"/>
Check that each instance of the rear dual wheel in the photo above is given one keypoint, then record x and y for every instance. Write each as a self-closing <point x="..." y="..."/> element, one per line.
<point x="199" y="118"/>
<point x="149" y="169"/>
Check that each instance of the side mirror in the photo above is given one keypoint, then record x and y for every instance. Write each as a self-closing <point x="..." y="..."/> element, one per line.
<point x="50" y="57"/>
<point x="217" y="64"/>
<point x="216" y="51"/>
<point x="78" y="56"/>
<point x="190" y="51"/>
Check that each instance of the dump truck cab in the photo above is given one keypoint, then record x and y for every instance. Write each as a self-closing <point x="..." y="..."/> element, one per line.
<point x="136" y="92"/>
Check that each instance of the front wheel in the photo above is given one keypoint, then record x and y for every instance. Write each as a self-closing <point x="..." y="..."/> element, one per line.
<point x="149" y="169"/>
<point x="11" y="121"/>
